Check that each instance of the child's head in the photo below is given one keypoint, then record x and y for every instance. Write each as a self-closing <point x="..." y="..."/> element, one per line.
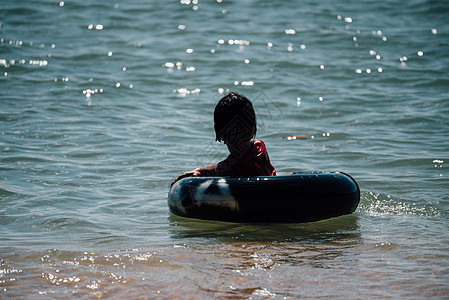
<point x="234" y="120"/>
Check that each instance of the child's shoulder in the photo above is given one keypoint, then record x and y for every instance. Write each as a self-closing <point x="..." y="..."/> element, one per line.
<point x="259" y="145"/>
<point x="258" y="142"/>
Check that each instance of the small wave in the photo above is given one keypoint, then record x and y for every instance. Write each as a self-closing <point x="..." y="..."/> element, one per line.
<point x="64" y="223"/>
<point x="432" y="83"/>
<point x="5" y="193"/>
<point x="381" y="204"/>
<point x="24" y="159"/>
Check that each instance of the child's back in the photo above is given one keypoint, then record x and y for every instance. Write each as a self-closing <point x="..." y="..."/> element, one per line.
<point x="252" y="162"/>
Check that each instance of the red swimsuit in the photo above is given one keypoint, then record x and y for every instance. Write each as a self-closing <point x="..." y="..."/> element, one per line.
<point x="253" y="162"/>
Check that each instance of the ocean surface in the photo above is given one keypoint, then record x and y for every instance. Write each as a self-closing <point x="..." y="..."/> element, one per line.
<point x="103" y="103"/>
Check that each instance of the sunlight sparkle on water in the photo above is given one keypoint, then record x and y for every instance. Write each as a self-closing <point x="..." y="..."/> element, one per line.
<point x="89" y="92"/>
<point x="40" y="63"/>
<point x="222" y="90"/>
<point x="183" y="92"/>
<point x="96" y="27"/>
<point x="170" y="66"/>
<point x="238" y="42"/>
<point x="438" y="163"/>
<point x="244" y="83"/>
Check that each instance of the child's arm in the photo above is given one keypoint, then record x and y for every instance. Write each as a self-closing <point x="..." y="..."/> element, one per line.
<point x="198" y="172"/>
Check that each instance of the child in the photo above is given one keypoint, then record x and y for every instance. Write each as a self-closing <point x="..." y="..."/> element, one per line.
<point x="235" y="125"/>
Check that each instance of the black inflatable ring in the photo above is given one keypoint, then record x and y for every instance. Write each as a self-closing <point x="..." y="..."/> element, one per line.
<point x="293" y="198"/>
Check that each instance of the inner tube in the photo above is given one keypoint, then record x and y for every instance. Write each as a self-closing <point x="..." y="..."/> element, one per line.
<point x="293" y="198"/>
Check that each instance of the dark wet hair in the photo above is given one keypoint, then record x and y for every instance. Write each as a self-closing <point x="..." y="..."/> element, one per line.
<point x="234" y="119"/>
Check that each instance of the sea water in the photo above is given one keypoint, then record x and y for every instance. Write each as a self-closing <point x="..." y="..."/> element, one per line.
<point x="103" y="103"/>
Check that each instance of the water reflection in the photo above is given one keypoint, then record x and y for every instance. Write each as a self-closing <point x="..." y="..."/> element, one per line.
<point x="333" y="229"/>
<point x="245" y="260"/>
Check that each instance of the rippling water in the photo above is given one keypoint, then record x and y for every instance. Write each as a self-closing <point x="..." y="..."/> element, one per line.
<point x="103" y="103"/>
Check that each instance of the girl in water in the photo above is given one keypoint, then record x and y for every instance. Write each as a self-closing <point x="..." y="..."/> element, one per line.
<point x="235" y="125"/>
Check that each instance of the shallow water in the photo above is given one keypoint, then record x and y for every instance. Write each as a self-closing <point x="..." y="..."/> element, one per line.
<point x="103" y="103"/>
